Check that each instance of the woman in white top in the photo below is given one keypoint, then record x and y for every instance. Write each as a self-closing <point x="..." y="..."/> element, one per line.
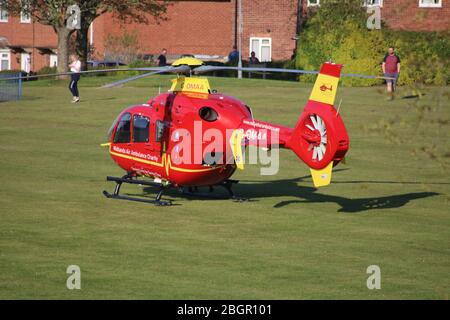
<point x="75" y="68"/>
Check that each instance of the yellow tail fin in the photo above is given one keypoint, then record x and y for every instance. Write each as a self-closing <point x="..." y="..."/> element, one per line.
<point x="322" y="177"/>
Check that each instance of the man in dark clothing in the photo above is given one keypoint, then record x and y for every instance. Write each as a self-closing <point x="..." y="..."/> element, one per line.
<point x="233" y="57"/>
<point x="162" y="60"/>
<point x="253" y="59"/>
<point x="391" y="69"/>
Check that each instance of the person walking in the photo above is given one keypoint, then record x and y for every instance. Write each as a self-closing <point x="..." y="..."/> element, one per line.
<point x="391" y="69"/>
<point x="75" y="68"/>
<point x="162" y="59"/>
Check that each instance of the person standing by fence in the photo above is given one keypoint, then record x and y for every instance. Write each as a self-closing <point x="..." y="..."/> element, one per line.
<point x="75" y="68"/>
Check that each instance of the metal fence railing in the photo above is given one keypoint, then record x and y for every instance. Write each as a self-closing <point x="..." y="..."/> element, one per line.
<point x="10" y="89"/>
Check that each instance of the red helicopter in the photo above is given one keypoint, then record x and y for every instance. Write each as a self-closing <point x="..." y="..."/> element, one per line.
<point x="193" y="136"/>
<point x="164" y="139"/>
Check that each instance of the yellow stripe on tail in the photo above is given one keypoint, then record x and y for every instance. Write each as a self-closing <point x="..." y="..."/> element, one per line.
<point x="325" y="89"/>
<point x="236" y="148"/>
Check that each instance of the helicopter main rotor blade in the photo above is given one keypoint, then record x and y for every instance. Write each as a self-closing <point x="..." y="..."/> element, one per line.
<point x="204" y="69"/>
<point x="179" y="69"/>
<point x="83" y="72"/>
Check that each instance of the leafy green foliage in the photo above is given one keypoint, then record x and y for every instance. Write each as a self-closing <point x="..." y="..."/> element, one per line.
<point x="47" y="70"/>
<point x="338" y="32"/>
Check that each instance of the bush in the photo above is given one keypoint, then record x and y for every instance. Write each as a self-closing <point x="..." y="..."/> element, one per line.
<point x="47" y="70"/>
<point x="11" y="71"/>
<point x="425" y="56"/>
<point x="141" y="64"/>
<point x="338" y="32"/>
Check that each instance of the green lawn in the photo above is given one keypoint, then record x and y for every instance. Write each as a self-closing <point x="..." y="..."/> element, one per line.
<point x="388" y="205"/>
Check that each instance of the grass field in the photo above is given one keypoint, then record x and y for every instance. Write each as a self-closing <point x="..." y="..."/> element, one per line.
<point x="388" y="205"/>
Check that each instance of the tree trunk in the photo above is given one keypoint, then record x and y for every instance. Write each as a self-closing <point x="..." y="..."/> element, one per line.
<point x="82" y="46"/>
<point x="63" y="51"/>
<point x="300" y="21"/>
<point x="300" y="13"/>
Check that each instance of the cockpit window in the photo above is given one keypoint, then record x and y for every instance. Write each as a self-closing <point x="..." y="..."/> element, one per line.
<point x="111" y="130"/>
<point x="140" y="128"/>
<point x="123" y="130"/>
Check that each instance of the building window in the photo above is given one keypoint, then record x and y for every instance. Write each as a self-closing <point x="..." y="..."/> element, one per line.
<point x="141" y="126"/>
<point x="25" y="17"/>
<point x="5" y="60"/>
<point x="430" y="3"/>
<point x="262" y="48"/>
<point x="3" y="15"/>
<point x="313" y="3"/>
<point x="373" y="3"/>
<point x="53" y="60"/>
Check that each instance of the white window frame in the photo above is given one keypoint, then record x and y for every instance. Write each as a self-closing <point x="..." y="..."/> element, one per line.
<point x="25" y="18"/>
<point x="55" y="57"/>
<point x="310" y="4"/>
<point x="7" y="15"/>
<point x="430" y="5"/>
<point x="379" y="4"/>
<point x="258" y="54"/>
<point x="8" y="52"/>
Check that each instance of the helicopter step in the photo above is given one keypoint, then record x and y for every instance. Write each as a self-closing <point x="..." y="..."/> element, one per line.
<point x="128" y="179"/>
<point x="227" y="184"/>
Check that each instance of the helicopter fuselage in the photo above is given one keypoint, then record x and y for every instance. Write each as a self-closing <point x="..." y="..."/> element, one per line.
<point x="184" y="138"/>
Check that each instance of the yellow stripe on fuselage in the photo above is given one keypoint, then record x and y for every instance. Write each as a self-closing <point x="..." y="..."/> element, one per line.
<point x="325" y="89"/>
<point x="166" y="162"/>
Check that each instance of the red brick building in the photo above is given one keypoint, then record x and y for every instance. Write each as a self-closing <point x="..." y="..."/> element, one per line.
<point x="206" y="28"/>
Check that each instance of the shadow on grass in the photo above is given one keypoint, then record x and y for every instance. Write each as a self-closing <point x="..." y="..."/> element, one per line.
<point x="290" y="187"/>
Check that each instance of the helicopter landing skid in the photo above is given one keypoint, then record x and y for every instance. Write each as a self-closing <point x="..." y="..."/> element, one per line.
<point x="128" y="179"/>
<point x="227" y="184"/>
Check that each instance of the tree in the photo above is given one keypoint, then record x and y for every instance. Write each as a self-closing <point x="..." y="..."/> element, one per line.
<point x="47" y="12"/>
<point x="124" y="11"/>
<point x="55" y="13"/>
<point x="124" y="47"/>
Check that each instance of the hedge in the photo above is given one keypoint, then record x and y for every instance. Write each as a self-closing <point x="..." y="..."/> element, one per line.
<point x="338" y="32"/>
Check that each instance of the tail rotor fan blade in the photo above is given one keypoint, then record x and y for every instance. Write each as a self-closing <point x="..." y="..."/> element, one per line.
<point x="318" y="148"/>
<point x="314" y="155"/>
<point x="323" y="148"/>
<point x="313" y="120"/>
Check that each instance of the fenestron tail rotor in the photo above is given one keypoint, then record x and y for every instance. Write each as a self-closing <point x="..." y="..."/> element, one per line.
<point x="319" y="146"/>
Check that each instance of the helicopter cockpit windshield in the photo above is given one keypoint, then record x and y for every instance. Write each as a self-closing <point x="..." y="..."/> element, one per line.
<point x="111" y="130"/>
